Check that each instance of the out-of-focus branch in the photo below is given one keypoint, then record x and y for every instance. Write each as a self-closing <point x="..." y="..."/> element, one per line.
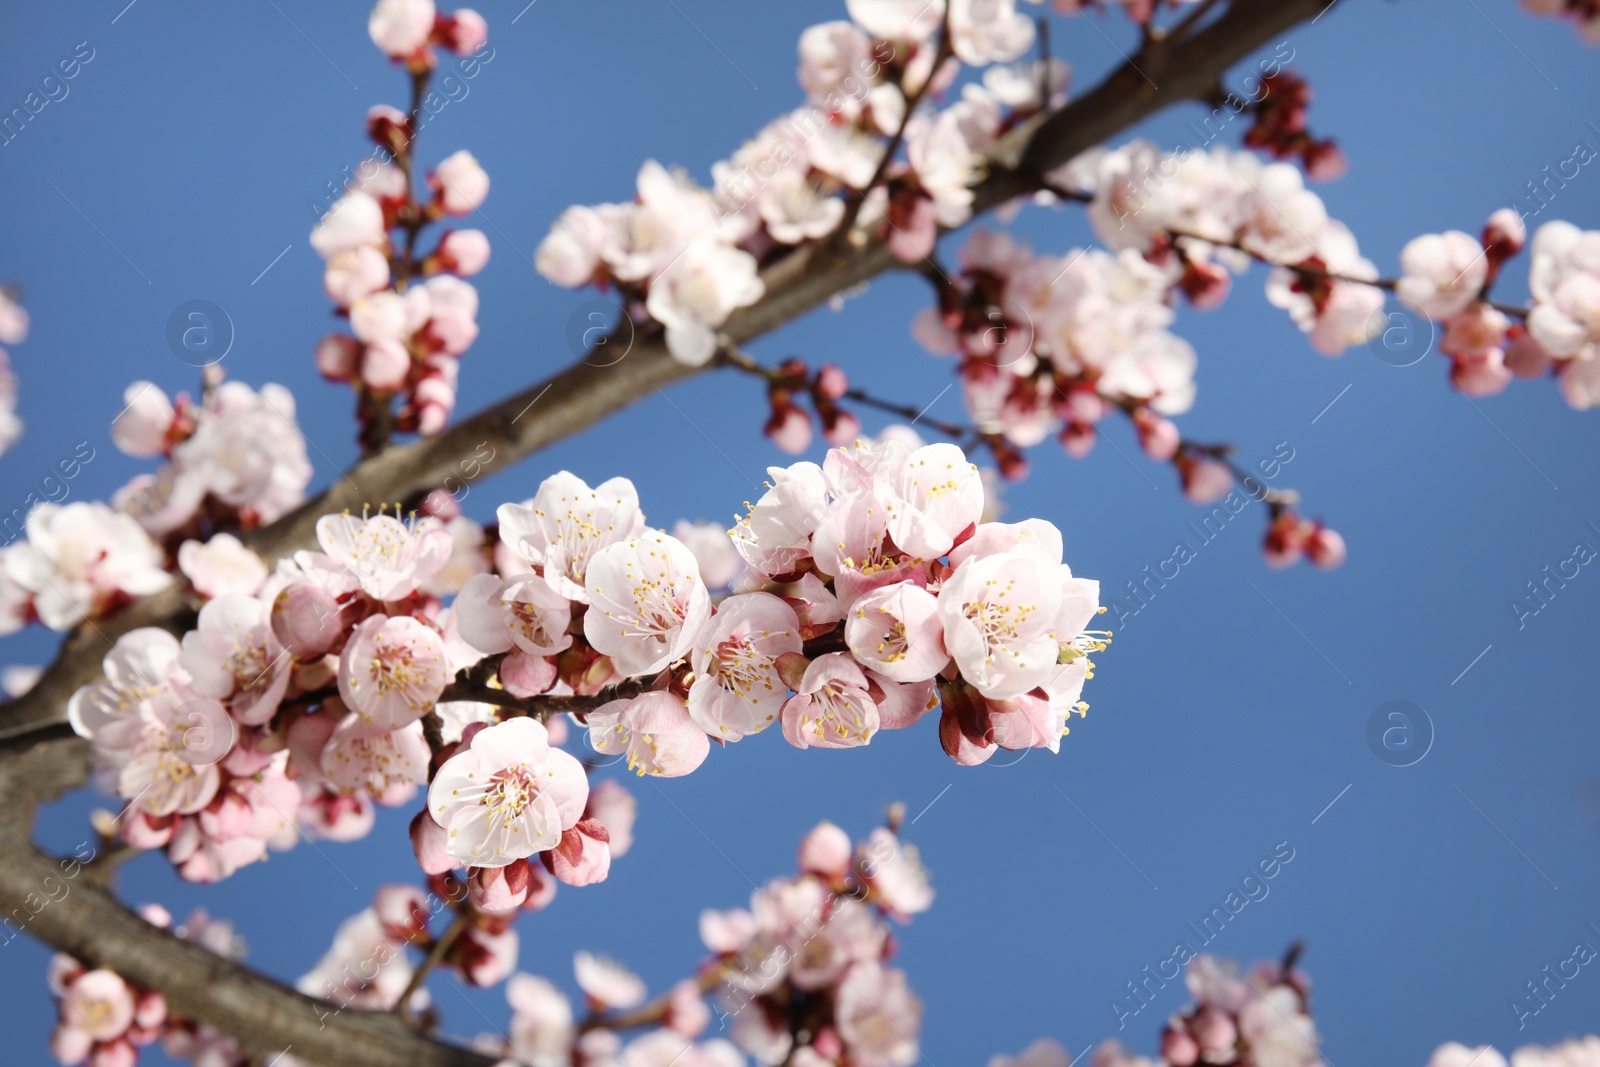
<point x="589" y="390"/>
<point x="91" y="925"/>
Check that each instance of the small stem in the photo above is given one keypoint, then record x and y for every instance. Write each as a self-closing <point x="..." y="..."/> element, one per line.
<point x="440" y="946"/>
<point x="859" y="197"/>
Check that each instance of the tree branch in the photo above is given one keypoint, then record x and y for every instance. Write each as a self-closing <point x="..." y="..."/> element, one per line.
<point x="89" y="924"/>
<point x="582" y="394"/>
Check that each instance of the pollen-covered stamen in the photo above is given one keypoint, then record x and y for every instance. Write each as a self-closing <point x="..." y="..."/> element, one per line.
<point x="999" y="624"/>
<point x="395" y="668"/>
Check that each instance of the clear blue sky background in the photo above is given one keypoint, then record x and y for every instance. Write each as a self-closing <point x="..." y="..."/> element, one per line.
<point x="1226" y="716"/>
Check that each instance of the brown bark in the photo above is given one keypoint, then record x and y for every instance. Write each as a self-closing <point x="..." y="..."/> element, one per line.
<point x="36" y="763"/>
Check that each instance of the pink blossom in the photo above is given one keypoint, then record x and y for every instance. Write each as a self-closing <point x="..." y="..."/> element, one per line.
<point x="1042" y="1053"/>
<point x="713" y="550"/>
<point x="584" y="855"/>
<point x="78" y="557"/>
<point x="832" y="708"/>
<point x="737" y="690"/>
<point x="654" y="730"/>
<point x="523" y="613"/>
<point x="893" y="872"/>
<point x="221" y="566"/>
<point x="400" y="27"/>
<point x="825" y="851"/>
<point x="896" y="631"/>
<point x="572" y="253"/>
<point x="387" y="559"/>
<point x="459" y="184"/>
<point x="607" y="983"/>
<point x="500" y="889"/>
<point x="776" y="534"/>
<point x="389" y="764"/>
<point x="1442" y="273"/>
<point x="464" y="252"/>
<point x="989" y="31"/>
<point x="354" y="273"/>
<point x="365" y="967"/>
<point x="355" y="219"/>
<point x="392" y="671"/>
<point x="706" y="284"/>
<point x="305" y="618"/>
<point x="913" y="21"/>
<point x="566" y="523"/>
<point x="541" y="1021"/>
<point x="615" y="808"/>
<point x="648" y="605"/>
<point x="508" y="795"/>
<point x="142" y="427"/>
<point x="878" y="1016"/>
<point x="463" y="31"/>
<point x="1006" y="617"/>
<point x="234" y="656"/>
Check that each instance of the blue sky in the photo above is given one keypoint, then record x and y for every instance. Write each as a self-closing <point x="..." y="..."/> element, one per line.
<point x="1227" y="717"/>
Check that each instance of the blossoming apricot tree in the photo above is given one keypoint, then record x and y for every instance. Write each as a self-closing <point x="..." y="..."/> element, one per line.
<point x="280" y="667"/>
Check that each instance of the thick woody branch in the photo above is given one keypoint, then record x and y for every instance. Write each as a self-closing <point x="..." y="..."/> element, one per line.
<point x="87" y="922"/>
<point x="1165" y="72"/>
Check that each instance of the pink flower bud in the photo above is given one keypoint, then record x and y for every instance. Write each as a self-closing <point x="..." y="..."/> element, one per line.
<point x="687" y="1012"/>
<point x="840" y="427"/>
<point x="306" y="619"/>
<point x="145" y="831"/>
<point x="789" y="428"/>
<point x="832" y="383"/>
<point x="1525" y="356"/>
<point x="1325" y="548"/>
<point x="452" y="329"/>
<point x="1285" y="539"/>
<point x="499" y="889"/>
<point x="1078" y="439"/>
<point x="1504" y="234"/>
<point x="1481" y="375"/>
<point x="584" y="855"/>
<point x="432" y="419"/>
<point x="825" y="851"/>
<point x="389" y="126"/>
<point x="525" y="675"/>
<point x="385" y="365"/>
<point x="402" y="909"/>
<point x="463" y="252"/>
<point x="226" y="817"/>
<point x="463" y="31"/>
<point x="338" y="355"/>
<point x="1325" y="161"/>
<point x="149" y="1009"/>
<point x="1214" y="1031"/>
<point x="1157" y="436"/>
<point x="459" y="184"/>
<point x="354" y="273"/>
<point x="1205" y="480"/>
<point x="401" y="27"/>
<point x="1178" y="1048"/>
<point x="141" y="430"/>
<point x="441" y="505"/>
<point x="1206" y="284"/>
<point x="428" y="841"/>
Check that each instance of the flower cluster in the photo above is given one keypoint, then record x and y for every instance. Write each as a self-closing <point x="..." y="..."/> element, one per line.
<point x="1574" y="1052"/>
<point x="1262" y="1021"/>
<point x="79" y="560"/>
<point x="1280" y="127"/>
<point x="412" y="313"/>
<point x="104" y="1020"/>
<point x="1198" y="215"/>
<point x="1051" y="344"/>
<point x="688" y="257"/>
<point x="235" y="459"/>
<point x="810" y="957"/>
<point x="13" y="331"/>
